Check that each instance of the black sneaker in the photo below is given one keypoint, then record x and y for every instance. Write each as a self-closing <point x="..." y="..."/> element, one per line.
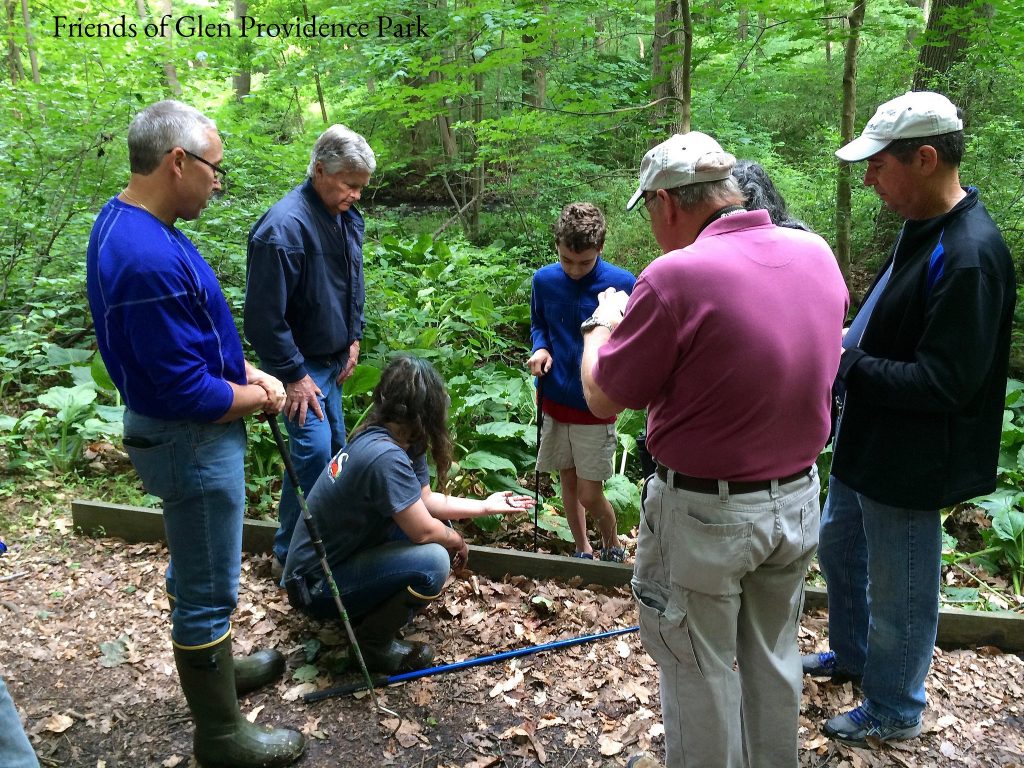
<point x="825" y="665"/>
<point x="856" y="726"/>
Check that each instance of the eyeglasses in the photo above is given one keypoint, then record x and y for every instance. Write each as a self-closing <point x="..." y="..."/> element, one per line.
<point x="219" y="172"/>
<point x="644" y="211"/>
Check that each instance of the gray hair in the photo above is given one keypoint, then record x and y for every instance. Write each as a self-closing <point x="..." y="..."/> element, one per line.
<point x="341" y="149"/>
<point x="164" y="126"/>
<point x="761" y="194"/>
<point x="721" y="192"/>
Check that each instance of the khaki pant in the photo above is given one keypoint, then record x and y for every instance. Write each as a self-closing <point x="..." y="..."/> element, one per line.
<point x="719" y="580"/>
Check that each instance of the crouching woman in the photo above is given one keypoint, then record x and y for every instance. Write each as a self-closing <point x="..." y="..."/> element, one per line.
<point x="385" y="532"/>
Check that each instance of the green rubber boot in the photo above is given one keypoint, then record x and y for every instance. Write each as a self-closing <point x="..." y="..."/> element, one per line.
<point x="257" y="669"/>
<point x="383" y="650"/>
<point x="223" y="738"/>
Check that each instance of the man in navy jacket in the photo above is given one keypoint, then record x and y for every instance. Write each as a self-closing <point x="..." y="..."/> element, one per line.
<point x="304" y="305"/>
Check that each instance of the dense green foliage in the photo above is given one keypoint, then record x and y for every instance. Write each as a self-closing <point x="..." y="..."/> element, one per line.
<point x="504" y="110"/>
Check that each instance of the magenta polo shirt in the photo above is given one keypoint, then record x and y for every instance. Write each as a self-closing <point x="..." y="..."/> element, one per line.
<point x="733" y="344"/>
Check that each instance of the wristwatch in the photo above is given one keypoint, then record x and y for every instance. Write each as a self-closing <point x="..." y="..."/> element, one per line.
<point x="591" y="323"/>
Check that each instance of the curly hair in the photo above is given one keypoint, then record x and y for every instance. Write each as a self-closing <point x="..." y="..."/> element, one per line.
<point x="580" y="226"/>
<point x="411" y="393"/>
<point x="761" y="193"/>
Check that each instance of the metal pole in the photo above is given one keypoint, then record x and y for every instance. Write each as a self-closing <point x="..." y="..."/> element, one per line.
<point x="318" y="545"/>
<point x="344" y="690"/>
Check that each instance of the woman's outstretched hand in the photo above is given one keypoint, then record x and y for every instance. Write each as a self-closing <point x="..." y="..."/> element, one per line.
<point x="507" y="503"/>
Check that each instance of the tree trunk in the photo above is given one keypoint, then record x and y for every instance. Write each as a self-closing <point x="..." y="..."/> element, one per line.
<point x="681" y="75"/>
<point x="946" y="46"/>
<point x="670" y="72"/>
<point x="828" y="31"/>
<point x="242" y="82"/>
<point x="30" y="41"/>
<point x="316" y="73"/>
<point x="912" y="32"/>
<point x="476" y="186"/>
<point x="14" y="66"/>
<point x="847" y="127"/>
<point x="170" y="73"/>
<point x="743" y="25"/>
<point x="534" y="77"/>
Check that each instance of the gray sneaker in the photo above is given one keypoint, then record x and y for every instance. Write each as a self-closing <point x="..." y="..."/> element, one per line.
<point x="854" y="728"/>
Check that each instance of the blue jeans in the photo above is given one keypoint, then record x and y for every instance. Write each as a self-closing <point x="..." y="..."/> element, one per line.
<point x="370" y="577"/>
<point x="198" y="471"/>
<point x="311" y="447"/>
<point x="15" y="750"/>
<point x="882" y="565"/>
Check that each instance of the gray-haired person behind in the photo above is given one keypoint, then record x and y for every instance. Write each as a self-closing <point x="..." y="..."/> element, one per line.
<point x="304" y="305"/>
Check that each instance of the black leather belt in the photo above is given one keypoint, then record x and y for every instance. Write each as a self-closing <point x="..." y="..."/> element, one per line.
<point x="704" y="485"/>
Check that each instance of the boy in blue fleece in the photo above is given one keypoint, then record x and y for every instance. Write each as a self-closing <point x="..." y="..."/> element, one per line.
<point x="575" y="442"/>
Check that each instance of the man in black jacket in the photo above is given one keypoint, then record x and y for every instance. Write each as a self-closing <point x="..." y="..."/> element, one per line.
<point x="921" y="387"/>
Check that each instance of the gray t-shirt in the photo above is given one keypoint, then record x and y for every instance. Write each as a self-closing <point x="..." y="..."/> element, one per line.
<point x="354" y="499"/>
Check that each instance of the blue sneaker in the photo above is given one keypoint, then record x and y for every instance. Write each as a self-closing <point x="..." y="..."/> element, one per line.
<point x="825" y="665"/>
<point x="613" y="555"/>
<point x="582" y="555"/>
<point x="856" y="726"/>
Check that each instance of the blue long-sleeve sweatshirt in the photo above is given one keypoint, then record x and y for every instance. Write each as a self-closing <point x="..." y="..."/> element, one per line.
<point x="163" y="327"/>
<point x="304" y="291"/>
<point x="557" y="307"/>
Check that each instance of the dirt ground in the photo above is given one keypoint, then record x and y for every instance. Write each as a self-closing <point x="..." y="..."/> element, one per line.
<point x="85" y="651"/>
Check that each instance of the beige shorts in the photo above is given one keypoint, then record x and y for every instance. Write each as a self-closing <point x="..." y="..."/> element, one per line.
<point x="587" y="448"/>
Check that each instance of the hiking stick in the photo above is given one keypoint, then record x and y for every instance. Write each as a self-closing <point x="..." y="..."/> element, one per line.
<point x="344" y="690"/>
<point x="321" y="552"/>
<point x="536" y="470"/>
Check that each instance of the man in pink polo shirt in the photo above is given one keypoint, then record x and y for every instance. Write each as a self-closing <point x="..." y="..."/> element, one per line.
<point x="731" y="339"/>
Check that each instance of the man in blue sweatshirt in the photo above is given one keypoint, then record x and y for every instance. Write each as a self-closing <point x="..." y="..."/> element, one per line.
<point x="170" y="345"/>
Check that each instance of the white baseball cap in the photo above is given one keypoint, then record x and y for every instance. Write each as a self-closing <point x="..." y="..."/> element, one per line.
<point x="913" y="115"/>
<point x="685" y="158"/>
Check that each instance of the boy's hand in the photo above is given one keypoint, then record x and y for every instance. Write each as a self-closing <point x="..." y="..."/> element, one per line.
<point x="539" y="362"/>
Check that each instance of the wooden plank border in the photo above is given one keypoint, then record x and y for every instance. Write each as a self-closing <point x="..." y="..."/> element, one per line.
<point x="957" y="628"/>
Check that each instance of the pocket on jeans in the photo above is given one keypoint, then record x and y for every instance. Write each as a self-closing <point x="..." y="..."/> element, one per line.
<point x="155" y="465"/>
<point x="711" y="558"/>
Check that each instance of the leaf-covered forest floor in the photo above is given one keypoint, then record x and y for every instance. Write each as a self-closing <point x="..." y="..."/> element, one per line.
<point x="85" y="652"/>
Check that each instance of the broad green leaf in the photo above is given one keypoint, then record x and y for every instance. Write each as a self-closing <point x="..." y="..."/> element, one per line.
<point x="60" y="356"/>
<point x="485" y="460"/>
<point x="502" y="429"/>
<point x="62" y="399"/>
<point x="363" y="379"/>
<point x="960" y="594"/>
<point x="100" y="375"/>
<point x="305" y="673"/>
<point x="114" y="653"/>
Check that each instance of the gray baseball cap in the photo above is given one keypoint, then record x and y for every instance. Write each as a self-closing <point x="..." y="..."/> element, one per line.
<point x="913" y="115"/>
<point x="685" y="158"/>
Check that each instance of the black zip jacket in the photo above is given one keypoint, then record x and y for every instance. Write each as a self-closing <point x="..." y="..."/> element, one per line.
<point x="925" y="390"/>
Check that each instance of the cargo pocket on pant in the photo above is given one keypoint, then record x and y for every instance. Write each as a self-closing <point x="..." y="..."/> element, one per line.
<point x="664" y="630"/>
<point x="155" y="465"/>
